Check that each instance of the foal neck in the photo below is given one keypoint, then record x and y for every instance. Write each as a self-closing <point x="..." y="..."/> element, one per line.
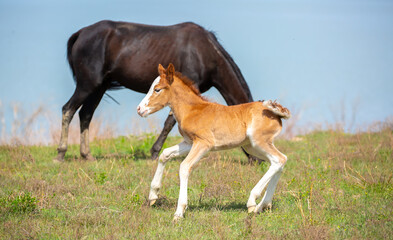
<point x="183" y="99"/>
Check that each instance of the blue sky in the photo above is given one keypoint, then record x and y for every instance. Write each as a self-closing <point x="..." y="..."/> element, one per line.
<point x="322" y="58"/>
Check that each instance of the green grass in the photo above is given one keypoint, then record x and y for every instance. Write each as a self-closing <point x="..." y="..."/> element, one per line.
<point x="334" y="186"/>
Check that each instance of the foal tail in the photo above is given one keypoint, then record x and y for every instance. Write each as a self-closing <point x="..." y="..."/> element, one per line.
<point x="277" y="109"/>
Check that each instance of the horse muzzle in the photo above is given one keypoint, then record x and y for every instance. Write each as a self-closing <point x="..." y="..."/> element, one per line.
<point x="143" y="111"/>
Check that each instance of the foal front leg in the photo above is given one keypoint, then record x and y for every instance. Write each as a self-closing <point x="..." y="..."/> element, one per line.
<point x="196" y="153"/>
<point x="168" y="153"/>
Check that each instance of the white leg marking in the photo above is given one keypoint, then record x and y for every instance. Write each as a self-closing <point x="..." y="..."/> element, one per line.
<point x="168" y="153"/>
<point x="268" y="197"/>
<point x="257" y="190"/>
<point x="274" y="171"/>
<point x="196" y="153"/>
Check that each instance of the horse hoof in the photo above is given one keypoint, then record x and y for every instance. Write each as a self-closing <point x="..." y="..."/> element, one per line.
<point x="151" y="202"/>
<point x="251" y="209"/>
<point x="89" y="158"/>
<point x="154" y="155"/>
<point x="177" y="219"/>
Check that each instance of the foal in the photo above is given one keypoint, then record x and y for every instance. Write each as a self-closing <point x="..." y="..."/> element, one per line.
<point x="209" y="126"/>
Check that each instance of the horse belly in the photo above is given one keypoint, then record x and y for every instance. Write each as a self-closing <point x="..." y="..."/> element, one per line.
<point x="135" y="81"/>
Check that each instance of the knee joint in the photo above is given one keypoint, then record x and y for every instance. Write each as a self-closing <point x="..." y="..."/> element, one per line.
<point x="165" y="155"/>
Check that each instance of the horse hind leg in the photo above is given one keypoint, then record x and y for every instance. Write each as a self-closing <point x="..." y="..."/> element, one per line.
<point x="266" y="150"/>
<point x="85" y="116"/>
<point x="266" y="202"/>
<point x="68" y="112"/>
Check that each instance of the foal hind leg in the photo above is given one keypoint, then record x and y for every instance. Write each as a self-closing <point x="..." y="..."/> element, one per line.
<point x="169" y="123"/>
<point x="266" y="202"/>
<point x="168" y="153"/>
<point x="85" y="116"/>
<point x="68" y="112"/>
<point x="266" y="150"/>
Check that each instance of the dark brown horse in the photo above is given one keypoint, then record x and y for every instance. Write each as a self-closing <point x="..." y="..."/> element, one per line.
<point x="111" y="55"/>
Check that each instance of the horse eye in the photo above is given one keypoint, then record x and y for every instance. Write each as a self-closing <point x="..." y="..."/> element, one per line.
<point x="157" y="90"/>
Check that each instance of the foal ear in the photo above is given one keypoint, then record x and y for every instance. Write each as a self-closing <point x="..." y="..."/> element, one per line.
<point x="161" y="69"/>
<point x="169" y="73"/>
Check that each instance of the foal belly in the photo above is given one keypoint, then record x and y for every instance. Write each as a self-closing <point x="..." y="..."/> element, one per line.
<point x="229" y="143"/>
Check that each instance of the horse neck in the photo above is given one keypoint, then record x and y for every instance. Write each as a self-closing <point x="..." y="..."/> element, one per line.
<point x="183" y="100"/>
<point x="230" y="83"/>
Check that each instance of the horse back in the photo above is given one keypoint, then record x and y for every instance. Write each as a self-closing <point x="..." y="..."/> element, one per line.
<point x="127" y="54"/>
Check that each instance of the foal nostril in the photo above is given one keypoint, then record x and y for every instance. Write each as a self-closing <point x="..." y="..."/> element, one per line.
<point x="138" y="108"/>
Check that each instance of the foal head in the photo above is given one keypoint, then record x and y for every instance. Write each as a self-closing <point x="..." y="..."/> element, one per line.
<point x="158" y="95"/>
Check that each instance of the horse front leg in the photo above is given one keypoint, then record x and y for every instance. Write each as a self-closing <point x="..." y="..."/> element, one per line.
<point x="156" y="148"/>
<point x="196" y="153"/>
<point x="168" y="153"/>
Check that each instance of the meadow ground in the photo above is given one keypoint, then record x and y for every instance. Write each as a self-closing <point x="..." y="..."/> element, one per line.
<point x="334" y="186"/>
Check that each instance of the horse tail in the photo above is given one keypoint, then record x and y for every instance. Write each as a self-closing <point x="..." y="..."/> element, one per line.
<point x="277" y="109"/>
<point x="213" y="39"/>
<point x="70" y="44"/>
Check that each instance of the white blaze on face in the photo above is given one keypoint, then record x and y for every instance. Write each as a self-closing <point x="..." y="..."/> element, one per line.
<point x="143" y="108"/>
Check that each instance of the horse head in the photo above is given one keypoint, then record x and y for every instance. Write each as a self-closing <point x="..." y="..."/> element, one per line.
<point x="159" y="92"/>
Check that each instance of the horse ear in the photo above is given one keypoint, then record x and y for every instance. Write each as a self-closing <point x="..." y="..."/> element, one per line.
<point x="169" y="73"/>
<point x="161" y="69"/>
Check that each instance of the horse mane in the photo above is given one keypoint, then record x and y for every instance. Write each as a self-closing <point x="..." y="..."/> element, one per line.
<point x="188" y="82"/>
<point x="214" y="41"/>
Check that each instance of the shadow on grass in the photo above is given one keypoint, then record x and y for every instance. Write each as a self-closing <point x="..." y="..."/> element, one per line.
<point x="116" y="156"/>
<point x="103" y="157"/>
<point x="166" y="204"/>
<point x="222" y="207"/>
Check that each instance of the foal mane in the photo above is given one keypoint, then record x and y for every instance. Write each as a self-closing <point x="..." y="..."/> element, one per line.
<point x="190" y="84"/>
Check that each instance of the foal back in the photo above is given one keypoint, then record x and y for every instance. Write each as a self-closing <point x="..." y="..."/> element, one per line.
<point x="225" y="127"/>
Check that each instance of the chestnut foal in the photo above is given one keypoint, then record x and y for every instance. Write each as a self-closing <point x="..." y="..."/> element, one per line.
<point x="209" y="126"/>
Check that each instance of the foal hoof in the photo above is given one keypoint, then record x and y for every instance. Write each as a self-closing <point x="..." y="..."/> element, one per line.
<point x="251" y="209"/>
<point x="265" y="207"/>
<point x="151" y="202"/>
<point x="177" y="219"/>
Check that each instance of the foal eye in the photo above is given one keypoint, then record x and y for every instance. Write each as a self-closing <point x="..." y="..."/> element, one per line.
<point x="157" y="90"/>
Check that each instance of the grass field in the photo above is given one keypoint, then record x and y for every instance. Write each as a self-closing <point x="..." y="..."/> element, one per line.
<point x="334" y="186"/>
